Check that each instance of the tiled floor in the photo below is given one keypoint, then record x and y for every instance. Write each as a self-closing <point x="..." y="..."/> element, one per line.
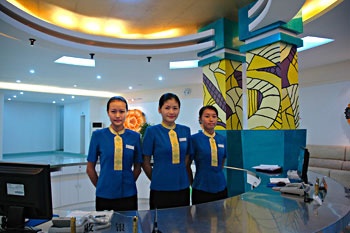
<point x="143" y="204"/>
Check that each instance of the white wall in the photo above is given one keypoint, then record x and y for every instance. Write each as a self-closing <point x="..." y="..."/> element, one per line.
<point x="322" y="113"/>
<point x="29" y="127"/>
<point x="1" y="121"/>
<point x="72" y="117"/>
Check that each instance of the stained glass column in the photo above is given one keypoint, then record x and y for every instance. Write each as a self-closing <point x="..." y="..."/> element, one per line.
<point x="272" y="65"/>
<point x="222" y="74"/>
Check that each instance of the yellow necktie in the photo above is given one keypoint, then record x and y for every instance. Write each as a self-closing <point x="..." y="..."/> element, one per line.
<point x="175" y="149"/>
<point x="118" y="149"/>
<point x="213" y="148"/>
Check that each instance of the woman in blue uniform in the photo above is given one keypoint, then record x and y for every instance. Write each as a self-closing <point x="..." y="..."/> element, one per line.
<point x="169" y="144"/>
<point x="209" y="154"/>
<point x="119" y="153"/>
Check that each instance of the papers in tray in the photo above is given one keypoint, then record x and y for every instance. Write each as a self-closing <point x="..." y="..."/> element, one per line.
<point x="268" y="168"/>
<point x="276" y="180"/>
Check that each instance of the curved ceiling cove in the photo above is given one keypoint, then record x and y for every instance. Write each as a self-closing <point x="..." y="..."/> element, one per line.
<point x="43" y="29"/>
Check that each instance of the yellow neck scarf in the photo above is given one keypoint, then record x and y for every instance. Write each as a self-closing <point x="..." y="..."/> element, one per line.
<point x="175" y="148"/>
<point x="118" y="149"/>
<point x="213" y="148"/>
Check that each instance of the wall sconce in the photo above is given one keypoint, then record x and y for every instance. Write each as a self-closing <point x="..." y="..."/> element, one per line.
<point x="347" y="113"/>
<point x="32" y="41"/>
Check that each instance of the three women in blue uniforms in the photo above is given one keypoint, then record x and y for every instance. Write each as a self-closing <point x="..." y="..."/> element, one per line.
<point x="209" y="154"/>
<point x="169" y="145"/>
<point x="172" y="149"/>
<point x="119" y="153"/>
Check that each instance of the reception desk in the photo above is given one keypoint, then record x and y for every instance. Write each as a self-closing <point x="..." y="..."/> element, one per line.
<point x="258" y="210"/>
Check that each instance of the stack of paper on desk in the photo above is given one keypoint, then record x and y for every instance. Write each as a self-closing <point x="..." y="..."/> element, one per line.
<point x="268" y="168"/>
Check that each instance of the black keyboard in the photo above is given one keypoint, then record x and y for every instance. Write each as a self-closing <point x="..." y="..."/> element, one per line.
<point x="20" y="230"/>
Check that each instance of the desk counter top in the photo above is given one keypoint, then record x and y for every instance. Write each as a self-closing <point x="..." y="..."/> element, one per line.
<point x="260" y="210"/>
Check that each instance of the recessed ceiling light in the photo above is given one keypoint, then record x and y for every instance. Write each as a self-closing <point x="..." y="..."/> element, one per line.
<point x="160" y="78"/>
<point x="98" y="77"/>
<point x="32" y="71"/>
<point x="183" y="64"/>
<point x="21" y="93"/>
<point x="53" y="102"/>
<point x="130" y="87"/>
<point x="15" y="96"/>
<point x="76" y="61"/>
<point x="18" y="81"/>
<point x="73" y="97"/>
<point x="62" y="99"/>
<point x="75" y="85"/>
<point x="312" y="42"/>
<point x="9" y="99"/>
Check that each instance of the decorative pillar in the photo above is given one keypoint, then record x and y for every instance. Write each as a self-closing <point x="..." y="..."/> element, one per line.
<point x="255" y="87"/>
<point x="272" y="63"/>
<point x="222" y="74"/>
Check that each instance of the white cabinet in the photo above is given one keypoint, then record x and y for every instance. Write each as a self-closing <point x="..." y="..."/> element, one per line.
<point x="143" y="184"/>
<point x="71" y="186"/>
<point x="55" y="188"/>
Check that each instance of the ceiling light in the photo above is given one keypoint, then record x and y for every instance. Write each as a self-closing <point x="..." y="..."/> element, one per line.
<point x="311" y="42"/>
<point x="76" y="61"/>
<point x="62" y="99"/>
<point x="9" y="99"/>
<point x="18" y="81"/>
<point x="53" y="102"/>
<point x="98" y="76"/>
<point x="56" y="90"/>
<point x="130" y="87"/>
<point x="32" y="71"/>
<point x="183" y="64"/>
<point x="160" y="78"/>
<point x="73" y="97"/>
<point x="32" y="41"/>
<point x="21" y="93"/>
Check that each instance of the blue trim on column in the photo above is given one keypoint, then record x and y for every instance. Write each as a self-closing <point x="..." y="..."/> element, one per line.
<point x="219" y="57"/>
<point x="226" y="36"/>
<point x="295" y="25"/>
<point x="278" y="37"/>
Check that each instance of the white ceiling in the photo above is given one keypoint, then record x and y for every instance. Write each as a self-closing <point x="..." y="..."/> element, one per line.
<point x="118" y="72"/>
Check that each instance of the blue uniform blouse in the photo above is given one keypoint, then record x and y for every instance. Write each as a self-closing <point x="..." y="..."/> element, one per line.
<point x="208" y="178"/>
<point x="167" y="176"/>
<point x="113" y="184"/>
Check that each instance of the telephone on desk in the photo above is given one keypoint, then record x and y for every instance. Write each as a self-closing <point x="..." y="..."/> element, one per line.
<point x="96" y="220"/>
<point x="299" y="189"/>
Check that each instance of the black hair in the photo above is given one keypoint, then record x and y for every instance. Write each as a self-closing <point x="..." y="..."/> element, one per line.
<point x="211" y="107"/>
<point x="168" y="96"/>
<point x="119" y="98"/>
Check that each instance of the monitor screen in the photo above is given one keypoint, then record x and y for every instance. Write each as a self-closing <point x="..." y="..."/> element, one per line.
<point x="25" y="192"/>
<point x="303" y="164"/>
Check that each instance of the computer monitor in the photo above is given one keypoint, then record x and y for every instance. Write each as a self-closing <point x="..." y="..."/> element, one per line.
<point x="303" y="164"/>
<point x="25" y="192"/>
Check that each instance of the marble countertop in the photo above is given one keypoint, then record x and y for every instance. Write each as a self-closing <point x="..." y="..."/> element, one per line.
<point x="56" y="159"/>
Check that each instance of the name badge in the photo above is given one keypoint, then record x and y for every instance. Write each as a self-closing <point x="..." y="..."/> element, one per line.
<point x="221" y="145"/>
<point x="182" y="139"/>
<point x="130" y="147"/>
